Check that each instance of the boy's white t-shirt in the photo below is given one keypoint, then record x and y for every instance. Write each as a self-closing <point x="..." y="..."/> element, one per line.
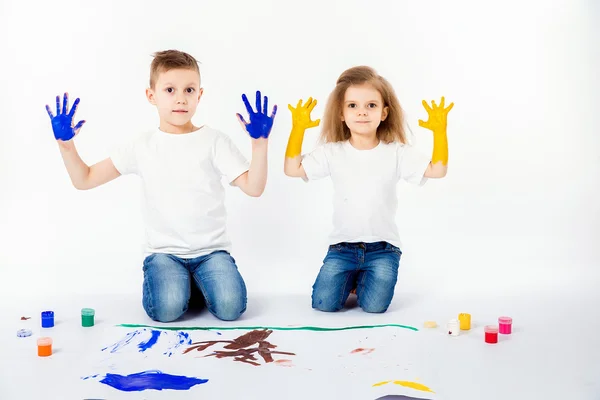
<point x="184" y="210"/>
<point x="364" y="181"/>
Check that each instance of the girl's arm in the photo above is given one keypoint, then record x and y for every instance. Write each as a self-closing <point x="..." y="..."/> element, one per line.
<point x="437" y="122"/>
<point x="300" y="122"/>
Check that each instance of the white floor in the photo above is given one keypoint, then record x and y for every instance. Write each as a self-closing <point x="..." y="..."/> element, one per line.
<point x="553" y="353"/>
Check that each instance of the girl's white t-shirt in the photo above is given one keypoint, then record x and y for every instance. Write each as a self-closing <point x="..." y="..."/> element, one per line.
<point x="365" y="187"/>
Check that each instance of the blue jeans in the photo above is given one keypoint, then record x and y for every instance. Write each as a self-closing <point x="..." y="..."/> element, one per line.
<point x="168" y="285"/>
<point x="371" y="268"/>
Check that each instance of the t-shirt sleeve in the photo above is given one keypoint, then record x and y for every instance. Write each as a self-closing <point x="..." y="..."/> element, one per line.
<point x="124" y="157"/>
<point x="229" y="160"/>
<point x="316" y="164"/>
<point x="412" y="165"/>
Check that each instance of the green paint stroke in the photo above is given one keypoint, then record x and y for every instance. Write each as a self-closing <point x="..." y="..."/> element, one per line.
<point x="274" y="328"/>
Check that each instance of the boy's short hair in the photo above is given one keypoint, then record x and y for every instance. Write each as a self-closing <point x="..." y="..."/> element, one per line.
<point x="171" y="59"/>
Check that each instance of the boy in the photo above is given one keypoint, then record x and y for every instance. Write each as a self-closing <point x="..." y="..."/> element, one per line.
<point x="181" y="167"/>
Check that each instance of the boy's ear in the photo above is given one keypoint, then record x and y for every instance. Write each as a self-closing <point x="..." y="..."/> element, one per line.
<point x="200" y="92"/>
<point x="150" y="96"/>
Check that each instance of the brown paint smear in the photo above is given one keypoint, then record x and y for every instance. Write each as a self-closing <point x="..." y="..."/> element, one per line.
<point x="362" y="351"/>
<point x="240" y="346"/>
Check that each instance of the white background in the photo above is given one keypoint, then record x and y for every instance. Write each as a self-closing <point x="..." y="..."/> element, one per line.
<point x="518" y="211"/>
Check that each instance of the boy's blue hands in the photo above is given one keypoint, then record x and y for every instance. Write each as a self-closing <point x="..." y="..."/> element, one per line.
<point x="260" y="123"/>
<point x="62" y="123"/>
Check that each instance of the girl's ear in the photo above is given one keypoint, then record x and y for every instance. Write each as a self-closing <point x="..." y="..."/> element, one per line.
<point x="385" y="112"/>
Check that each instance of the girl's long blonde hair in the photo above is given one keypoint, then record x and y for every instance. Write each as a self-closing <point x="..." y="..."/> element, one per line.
<point x="389" y="130"/>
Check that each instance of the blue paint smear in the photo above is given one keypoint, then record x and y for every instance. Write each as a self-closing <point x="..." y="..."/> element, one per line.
<point x="183" y="338"/>
<point x="150" y="380"/>
<point x="150" y="342"/>
<point x="124" y="342"/>
<point x="143" y="346"/>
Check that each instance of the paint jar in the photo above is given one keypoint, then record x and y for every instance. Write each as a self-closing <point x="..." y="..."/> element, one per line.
<point x="505" y="324"/>
<point x="465" y="321"/>
<point x="44" y="345"/>
<point x="47" y="319"/>
<point x="453" y="327"/>
<point x="87" y="317"/>
<point x="491" y="334"/>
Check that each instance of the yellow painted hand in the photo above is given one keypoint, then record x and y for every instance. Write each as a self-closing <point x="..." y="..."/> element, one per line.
<point x="438" y="116"/>
<point x="300" y="122"/>
<point x="437" y="122"/>
<point x="301" y="114"/>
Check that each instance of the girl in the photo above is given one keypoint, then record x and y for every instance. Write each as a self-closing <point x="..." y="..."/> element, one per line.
<point x="365" y="153"/>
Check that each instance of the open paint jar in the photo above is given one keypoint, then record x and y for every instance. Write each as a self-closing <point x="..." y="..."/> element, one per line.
<point x="87" y="317"/>
<point x="47" y="319"/>
<point x="491" y="334"/>
<point x="44" y="345"/>
<point x="505" y="324"/>
<point x="453" y="327"/>
<point x="465" y="321"/>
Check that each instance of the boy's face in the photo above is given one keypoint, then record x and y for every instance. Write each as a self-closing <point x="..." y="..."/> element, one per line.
<point x="176" y="95"/>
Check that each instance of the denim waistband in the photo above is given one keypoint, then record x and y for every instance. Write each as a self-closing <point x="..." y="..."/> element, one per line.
<point x="365" y="246"/>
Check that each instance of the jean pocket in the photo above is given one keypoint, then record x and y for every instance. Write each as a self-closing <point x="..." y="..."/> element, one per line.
<point x="393" y="248"/>
<point x="148" y="260"/>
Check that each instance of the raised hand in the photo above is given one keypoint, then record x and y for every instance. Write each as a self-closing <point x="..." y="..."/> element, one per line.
<point x="62" y="123"/>
<point x="438" y="116"/>
<point x="260" y="123"/>
<point x="300" y="122"/>
<point x="437" y="122"/>
<point x="301" y="114"/>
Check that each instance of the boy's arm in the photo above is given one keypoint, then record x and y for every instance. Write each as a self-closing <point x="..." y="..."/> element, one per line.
<point x="254" y="181"/>
<point x="300" y="122"/>
<point x="82" y="176"/>
<point x="437" y="122"/>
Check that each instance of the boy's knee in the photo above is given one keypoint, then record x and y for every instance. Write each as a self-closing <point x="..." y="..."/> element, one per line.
<point x="167" y="309"/>
<point x="229" y="308"/>
<point x="167" y="314"/>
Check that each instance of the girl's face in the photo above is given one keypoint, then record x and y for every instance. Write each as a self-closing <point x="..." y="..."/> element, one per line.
<point x="363" y="109"/>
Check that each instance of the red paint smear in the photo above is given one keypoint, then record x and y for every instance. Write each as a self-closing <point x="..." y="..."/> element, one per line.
<point x="361" y="350"/>
<point x="284" y="363"/>
<point x="25" y="318"/>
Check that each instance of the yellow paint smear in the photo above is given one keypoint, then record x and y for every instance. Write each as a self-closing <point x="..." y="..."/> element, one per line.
<point x="412" y="385"/>
<point x="381" y="383"/>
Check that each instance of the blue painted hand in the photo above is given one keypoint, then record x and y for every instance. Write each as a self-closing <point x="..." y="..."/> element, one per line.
<point x="62" y="123"/>
<point x="260" y="123"/>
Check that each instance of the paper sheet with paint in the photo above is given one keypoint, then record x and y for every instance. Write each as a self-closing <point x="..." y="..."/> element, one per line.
<point x="194" y="360"/>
